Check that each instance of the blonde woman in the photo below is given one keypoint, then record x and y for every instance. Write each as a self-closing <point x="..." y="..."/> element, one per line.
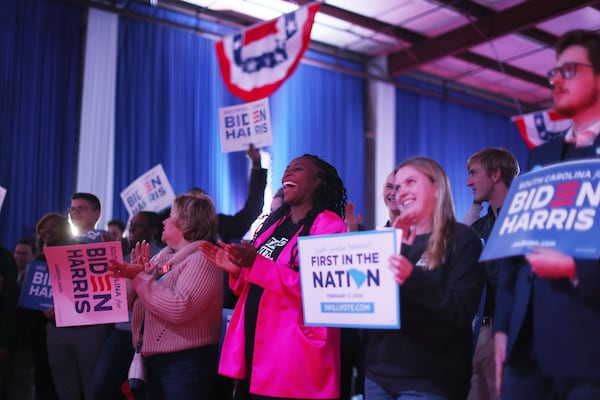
<point x="441" y="283"/>
<point x="178" y="302"/>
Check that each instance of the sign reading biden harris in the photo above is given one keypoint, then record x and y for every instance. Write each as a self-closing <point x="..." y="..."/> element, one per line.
<point x="150" y="192"/>
<point x="346" y="281"/>
<point x="244" y="124"/>
<point x="554" y="207"/>
<point x="36" y="293"/>
<point x="84" y="292"/>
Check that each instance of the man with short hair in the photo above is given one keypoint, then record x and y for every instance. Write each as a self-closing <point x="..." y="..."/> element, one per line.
<point x="115" y="228"/>
<point x="24" y="253"/>
<point x="145" y="225"/>
<point x="491" y="171"/>
<point x="74" y="350"/>
<point x="547" y="319"/>
<point x="84" y="213"/>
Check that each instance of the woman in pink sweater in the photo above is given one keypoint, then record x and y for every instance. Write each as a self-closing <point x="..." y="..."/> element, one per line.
<point x="267" y="346"/>
<point x="177" y="299"/>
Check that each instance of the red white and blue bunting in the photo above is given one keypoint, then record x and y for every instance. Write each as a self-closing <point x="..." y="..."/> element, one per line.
<point x="256" y="61"/>
<point x="540" y="126"/>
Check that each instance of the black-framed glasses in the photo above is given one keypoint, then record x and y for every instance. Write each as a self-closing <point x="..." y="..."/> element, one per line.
<point x="567" y="70"/>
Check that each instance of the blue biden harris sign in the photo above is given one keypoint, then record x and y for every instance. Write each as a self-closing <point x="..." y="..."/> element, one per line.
<point x="554" y="207"/>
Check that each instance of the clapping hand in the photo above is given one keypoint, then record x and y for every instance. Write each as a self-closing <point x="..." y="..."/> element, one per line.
<point x="242" y="254"/>
<point x="140" y="254"/>
<point x="351" y="219"/>
<point x="218" y="256"/>
<point x="405" y="222"/>
<point x="140" y="261"/>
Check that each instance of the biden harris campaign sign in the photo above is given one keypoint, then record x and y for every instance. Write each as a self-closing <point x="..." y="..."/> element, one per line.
<point x="84" y="291"/>
<point x="244" y="124"/>
<point x="36" y="291"/>
<point x="150" y="192"/>
<point x="346" y="281"/>
<point x="554" y="207"/>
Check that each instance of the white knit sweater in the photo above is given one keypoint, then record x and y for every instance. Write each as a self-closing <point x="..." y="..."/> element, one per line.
<point x="183" y="308"/>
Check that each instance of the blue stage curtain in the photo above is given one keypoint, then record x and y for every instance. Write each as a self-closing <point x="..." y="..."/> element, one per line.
<point x="169" y="90"/>
<point x="321" y="112"/>
<point x="40" y="42"/>
<point x="450" y="132"/>
<point x="168" y="94"/>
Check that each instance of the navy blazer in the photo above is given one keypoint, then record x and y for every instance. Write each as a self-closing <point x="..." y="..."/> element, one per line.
<point x="566" y="316"/>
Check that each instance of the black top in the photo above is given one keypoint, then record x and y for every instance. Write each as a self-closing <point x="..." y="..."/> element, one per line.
<point x="432" y="350"/>
<point x="483" y="227"/>
<point x="232" y="227"/>
<point x="9" y="295"/>
<point x="271" y="249"/>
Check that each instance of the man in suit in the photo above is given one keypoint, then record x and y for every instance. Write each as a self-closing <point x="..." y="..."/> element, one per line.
<point x="547" y="319"/>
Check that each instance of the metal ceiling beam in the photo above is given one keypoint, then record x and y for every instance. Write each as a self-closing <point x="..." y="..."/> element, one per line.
<point x="466" y="7"/>
<point x="364" y="21"/>
<point x="478" y="11"/>
<point x="503" y="68"/>
<point x="515" y="19"/>
<point x="540" y="36"/>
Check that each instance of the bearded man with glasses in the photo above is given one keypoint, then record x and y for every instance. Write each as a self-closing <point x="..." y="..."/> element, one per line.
<point x="547" y="319"/>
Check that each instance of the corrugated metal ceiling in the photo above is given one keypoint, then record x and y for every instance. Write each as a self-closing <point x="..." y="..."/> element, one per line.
<point x="499" y="48"/>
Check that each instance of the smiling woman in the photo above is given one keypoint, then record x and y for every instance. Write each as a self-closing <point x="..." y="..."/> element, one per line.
<point x="268" y="316"/>
<point x="441" y="287"/>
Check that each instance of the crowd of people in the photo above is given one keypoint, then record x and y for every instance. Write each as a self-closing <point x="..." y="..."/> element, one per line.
<point x="518" y="327"/>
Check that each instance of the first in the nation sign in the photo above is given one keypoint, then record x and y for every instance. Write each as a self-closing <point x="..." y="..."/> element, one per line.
<point x="346" y="280"/>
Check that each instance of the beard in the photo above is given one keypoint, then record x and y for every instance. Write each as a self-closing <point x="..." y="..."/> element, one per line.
<point x="583" y="102"/>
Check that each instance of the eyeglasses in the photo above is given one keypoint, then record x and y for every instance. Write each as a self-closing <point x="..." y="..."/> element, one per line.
<point x="567" y="71"/>
<point x="78" y="209"/>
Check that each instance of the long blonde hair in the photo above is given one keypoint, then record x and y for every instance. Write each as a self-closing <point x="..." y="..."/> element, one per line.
<point x="444" y="217"/>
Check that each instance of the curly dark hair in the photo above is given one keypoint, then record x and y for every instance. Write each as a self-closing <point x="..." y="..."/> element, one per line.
<point x="330" y="195"/>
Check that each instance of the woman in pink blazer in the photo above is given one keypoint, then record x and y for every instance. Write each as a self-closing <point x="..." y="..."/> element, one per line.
<point x="267" y="346"/>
